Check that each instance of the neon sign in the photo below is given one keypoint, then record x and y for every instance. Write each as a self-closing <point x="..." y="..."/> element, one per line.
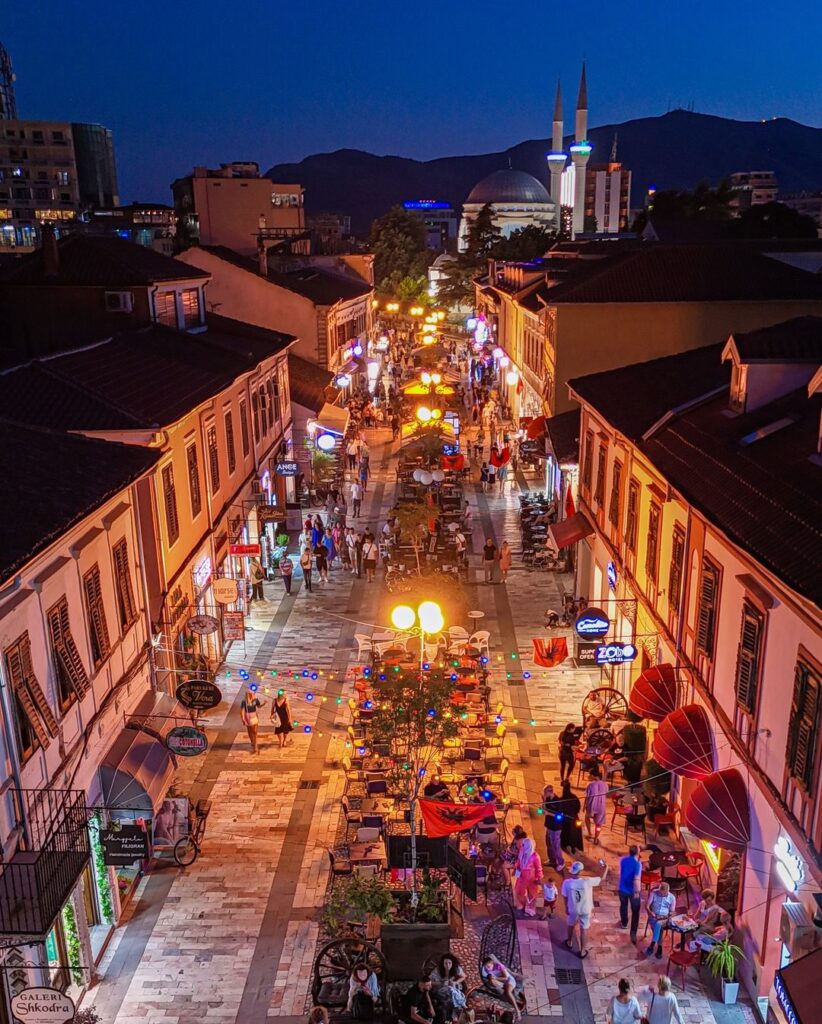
<point x="784" y="1000"/>
<point x="614" y="654"/>
<point x="592" y="622"/>
<point x="789" y="867"/>
<point x="612" y="575"/>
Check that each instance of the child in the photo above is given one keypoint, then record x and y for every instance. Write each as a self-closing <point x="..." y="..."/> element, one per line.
<point x="549" y="893"/>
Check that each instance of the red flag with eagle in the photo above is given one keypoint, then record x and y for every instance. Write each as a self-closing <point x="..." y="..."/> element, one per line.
<point x="550" y="653"/>
<point x="441" y="818"/>
<point x="569" y="502"/>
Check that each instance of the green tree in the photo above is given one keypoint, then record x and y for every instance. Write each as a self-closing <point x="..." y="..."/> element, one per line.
<point x="457" y="289"/>
<point x="413" y="289"/>
<point x="703" y="203"/>
<point x="773" y="220"/>
<point x="524" y="244"/>
<point x="413" y="523"/>
<point x="398" y="242"/>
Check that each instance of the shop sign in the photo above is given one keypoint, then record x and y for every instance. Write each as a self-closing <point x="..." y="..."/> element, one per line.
<point x="614" y="654"/>
<point x="203" y="625"/>
<point x="123" y="845"/>
<point x="42" y="1005"/>
<point x="789" y="867"/>
<point x="225" y="590"/>
<point x="586" y="653"/>
<point x="187" y="741"/>
<point x="198" y="694"/>
<point x="611" y="571"/>
<point x="233" y="626"/>
<point x="245" y="550"/>
<point x="201" y="574"/>
<point x="593" y="622"/>
<point x="784" y="1000"/>
<point x="286" y="468"/>
<point x="270" y="512"/>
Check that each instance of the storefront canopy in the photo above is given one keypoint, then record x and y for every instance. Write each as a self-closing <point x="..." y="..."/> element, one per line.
<point x="536" y="428"/>
<point x="797" y="988"/>
<point x="333" y="419"/>
<point x="136" y="772"/>
<point x="719" y="810"/>
<point x="570" y="530"/>
<point x="684" y="743"/>
<point x="416" y="388"/>
<point x="654" y="694"/>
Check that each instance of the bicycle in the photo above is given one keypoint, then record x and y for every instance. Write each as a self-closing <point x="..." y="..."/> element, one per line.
<point x="187" y="849"/>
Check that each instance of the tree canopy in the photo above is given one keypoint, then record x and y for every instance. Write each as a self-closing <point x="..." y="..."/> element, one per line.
<point x="773" y="220"/>
<point x="401" y="258"/>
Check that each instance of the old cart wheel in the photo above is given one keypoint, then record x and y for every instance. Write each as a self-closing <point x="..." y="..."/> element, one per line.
<point x="601" y="738"/>
<point x="333" y="967"/>
<point x="604" y="702"/>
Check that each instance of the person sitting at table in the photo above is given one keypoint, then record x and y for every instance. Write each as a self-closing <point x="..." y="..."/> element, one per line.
<point x="363" y="993"/>
<point x="661" y="904"/>
<point x="704" y="938"/>
<point x="708" y="912"/>
<point x="655" y="803"/>
<point x="448" y="981"/>
<point x="436" y="789"/>
<point x="509" y="856"/>
<point x="502" y="981"/>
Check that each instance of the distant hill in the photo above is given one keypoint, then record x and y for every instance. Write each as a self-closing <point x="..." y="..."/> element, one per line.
<point x="675" y="150"/>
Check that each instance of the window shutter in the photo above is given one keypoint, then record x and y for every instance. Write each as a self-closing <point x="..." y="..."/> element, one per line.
<point x="675" y="570"/>
<point x="97" y="614"/>
<point x="707" y="607"/>
<point x="616" y="483"/>
<point x="128" y="610"/>
<point x="31" y="697"/>
<point x="805" y="712"/>
<point x="65" y="649"/>
<point x="747" y="664"/>
<point x="229" y="442"/>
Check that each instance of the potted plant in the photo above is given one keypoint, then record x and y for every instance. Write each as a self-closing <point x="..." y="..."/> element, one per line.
<point x="721" y="960"/>
<point x="360" y="899"/>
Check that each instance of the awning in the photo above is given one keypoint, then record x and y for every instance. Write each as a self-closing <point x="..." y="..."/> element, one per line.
<point x="719" y="810"/>
<point x="157" y="714"/>
<point x="333" y="419"/>
<point x="654" y="694"/>
<point x="684" y="742"/>
<point x="136" y="772"/>
<point x="349" y="366"/>
<point x="536" y="428"/>
<point x="797" y="988"/>
<point x="570" y="530"/>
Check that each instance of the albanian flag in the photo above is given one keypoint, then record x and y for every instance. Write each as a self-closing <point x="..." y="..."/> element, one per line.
<point x="453" y="462"/>
<point x="441" y="819"/>
<point x="499" y="458"/>
<point x="550" y="653"/>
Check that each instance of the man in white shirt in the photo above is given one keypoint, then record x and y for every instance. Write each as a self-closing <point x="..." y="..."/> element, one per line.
<point x="356" y="498"/>
<point x="661" y="904"/>
<point x="579" y="903"/>
<point x="352" y="450"/>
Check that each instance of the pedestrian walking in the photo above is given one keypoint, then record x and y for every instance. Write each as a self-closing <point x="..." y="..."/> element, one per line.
<point x="257" y="577"/>
<point x="528" y="876"/>
<point x="286" y="570"/>
<point x="571" y="834"/>
<point x="567" y="745"/>
<point x="595" y="809"/>
<point x="484" y="476"/>
<point x="630" y="889"/>
<point x="552" y="812"/>
<point x="317" y="531"/>
<point x="395" y="426"/>
<point x="624" y="1006"/>
<point x="502" y="476"/>
<point x="352" y="451"/>
<point x="369" y="556"/>
<point x="281" y="714"/>
<point x="505" y="558"/>
<point x="305" y="564"/>
<point x="249" y="713"/>
<point x="364" y="474"/>
<point x="489" y="557"/>
<point x="578" y="893"/>
<point x="663" y="1007"/>
<point x="321" y="561"/>
<point x="358" y="546"/>
<point x="356" y="498"/>
<point x="330" y="547"/>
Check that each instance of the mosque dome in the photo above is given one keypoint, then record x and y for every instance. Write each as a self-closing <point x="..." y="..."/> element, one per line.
<point x="508" y="186"/>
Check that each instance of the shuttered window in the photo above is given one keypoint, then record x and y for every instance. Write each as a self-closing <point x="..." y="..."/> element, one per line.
<point x="675" y="568"/>
<point x="255" y="415"/>
<point x="274" y="386"/>
<point x="72" y="678"/>
<point x="652" y="549"/>
<point x="100" y="645"/>
<point x="34" y="721"/>
<point x="616" y="494"/>
<point x="122" y="581"/>
<point x="803" y="737"/>
<point x="170" y="504"/>
<point x="707" y="609"/>
<point x="265" y="411"/>
<point x="244" y="428"/>
<point x="632" y="515"/>
<point x="213" y="458"/>
<point x="194" y="494"/>
<point x="748" y="657"/>
<point x="587" y="460"/>
<point x="599" y="496"/>
<point x="191" y="307"/>
<point x="229" y="442"/>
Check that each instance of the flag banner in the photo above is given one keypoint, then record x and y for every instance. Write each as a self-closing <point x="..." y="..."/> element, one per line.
<point x="453" y="462"/>
<point x="550" y="653"/>
<point x="569" y="503"/>
<point x="441" y="819"/>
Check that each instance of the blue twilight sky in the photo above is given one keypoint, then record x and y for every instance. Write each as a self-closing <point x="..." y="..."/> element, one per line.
<point x="201" y="81"/>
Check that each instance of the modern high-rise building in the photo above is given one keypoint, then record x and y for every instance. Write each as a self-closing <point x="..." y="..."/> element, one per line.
<point x="607" y="198"/>
<point x="96" y="169"/>
<point x="8" y="102"/>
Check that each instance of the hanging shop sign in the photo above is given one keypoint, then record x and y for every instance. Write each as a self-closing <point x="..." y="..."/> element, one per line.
<point x="198" y="694"/>
<point x="41" y="1006"/>
<point x="201" y="574"/>
<point x="270" y="512"/>
<point x="789" y="866"/>
<point x="585" y="653"/>
<point x="186" y="741"/>
<point x="286" y="468"/>
<point x="203" y="625"/>
<point x="225" y="590"/>
<point x="233" y="626"/>
<point x="245" y="550"/>
<point x="614" y="654"/>
<point x="612" y="575"/>
<point x="123" y="845"/>
<point x="593" y="622"/>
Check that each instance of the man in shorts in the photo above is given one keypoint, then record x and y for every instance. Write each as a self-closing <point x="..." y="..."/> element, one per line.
<point x="578" y="893"/>
<point x="595" y="804"/>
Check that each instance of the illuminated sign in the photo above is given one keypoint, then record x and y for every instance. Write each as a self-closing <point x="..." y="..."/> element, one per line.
<point x="425" y="204"/>
<point x="286" y="468"/>
<point x="343" y="380"/>
<point x="201" y="574"/>
<point x="326" y="442"/>
<point x="593" y="622"/>
<point x="612" y="575"/>
<point x="789" y="867"/>
<point x="785" y="1000"/>
<point x="471" y="323"/>
<point x="614" y="654"/>
<point x="245" y="550"/>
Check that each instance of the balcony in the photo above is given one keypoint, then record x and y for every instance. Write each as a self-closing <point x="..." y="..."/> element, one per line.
<point x="36" y="882"/>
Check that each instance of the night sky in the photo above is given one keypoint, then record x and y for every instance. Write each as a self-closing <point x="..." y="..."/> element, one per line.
<point x="185" y="82"/>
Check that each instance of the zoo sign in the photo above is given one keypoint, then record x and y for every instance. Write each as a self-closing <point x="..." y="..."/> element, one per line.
<point x="614" y="654"/>
<point x="42" y="1006"/>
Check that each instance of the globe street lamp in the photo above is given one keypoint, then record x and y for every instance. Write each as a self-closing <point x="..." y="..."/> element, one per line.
<point x="428" y="616"/>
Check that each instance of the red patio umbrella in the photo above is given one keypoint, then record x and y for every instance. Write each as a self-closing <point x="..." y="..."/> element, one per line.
<point x="684" y="743"/>
<point x="654" y="694"/>
<point x="719" y="810"/>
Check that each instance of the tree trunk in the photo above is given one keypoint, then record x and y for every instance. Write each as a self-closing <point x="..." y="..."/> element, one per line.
<point x="412" y="807"/>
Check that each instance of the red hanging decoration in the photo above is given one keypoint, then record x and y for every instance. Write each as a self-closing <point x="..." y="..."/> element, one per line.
<point x="654" y="694"/>
<point x="684" y="742"/>
<point x="570" y="510"/>
<point x="443" y="819"/>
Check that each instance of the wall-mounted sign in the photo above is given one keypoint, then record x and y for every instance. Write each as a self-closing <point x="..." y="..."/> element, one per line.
<point x="123" y="845"/>
<point x="201" y="574"/>
<point x="614" y="654"/>
<point x="245" y="550"/>
<point x="789" y="867"/>
<point x="186" y="741"/>
<point x="286" y="468"/>
<point x="326" y="442"/>
<point x="233" y="626"/>
<point x="585" y="653"/>
<point x="611" y="571"/>
<point x="225" y="590"/>
<point x="198" y="694"/>
<point x="41" y="1006"/>
<point x="202" y="625"/>
<point x="268" y="512"/>
<point x="784" y="1000"/>
<point x="593" y="622"/>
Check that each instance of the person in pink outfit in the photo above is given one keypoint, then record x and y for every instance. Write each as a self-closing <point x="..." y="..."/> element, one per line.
<point x="528" y="878"/>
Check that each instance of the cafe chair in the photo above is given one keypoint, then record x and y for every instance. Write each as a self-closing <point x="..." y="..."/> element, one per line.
<point x="351" y="817"/>
<point x="667" y="820"/>
<point x="376" y="821"/>
<point x="472" y="754"/>
<point x="498" y="738"/>
<point x="353" y="776"/>
<point x="364" y="647"/>
<point x="679" y="886"/>
<point x="339" y="867"/>
<point x="650" y="879"/>
<point x="498" y="777"/>
<point x="683" y="959"/>
<point x="480" y="641"/>
<point x="635" y="823"/>
<point x="457" y="633"/>
<point x="621" y="808"/>
<point x="697" y="860"/>
<point x="366" y="870"/>
<point x="367" y="835"/>
<point x="376" y="787"/>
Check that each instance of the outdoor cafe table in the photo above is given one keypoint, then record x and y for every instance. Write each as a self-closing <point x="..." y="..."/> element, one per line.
<point x="683" y="925"/>
<point x="367" y="853"/>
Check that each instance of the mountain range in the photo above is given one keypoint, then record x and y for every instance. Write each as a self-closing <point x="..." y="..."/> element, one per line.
<point x="675" y="150"/>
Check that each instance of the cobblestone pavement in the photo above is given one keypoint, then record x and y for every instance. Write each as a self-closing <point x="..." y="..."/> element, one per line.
<point x="232" y="938"/>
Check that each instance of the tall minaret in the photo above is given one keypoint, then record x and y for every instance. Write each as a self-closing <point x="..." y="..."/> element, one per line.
<point x="556" y="158"/>
<point x="580" y="154"/>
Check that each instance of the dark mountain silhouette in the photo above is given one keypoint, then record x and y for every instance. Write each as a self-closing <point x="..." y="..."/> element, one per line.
<point x="676" y="150"/>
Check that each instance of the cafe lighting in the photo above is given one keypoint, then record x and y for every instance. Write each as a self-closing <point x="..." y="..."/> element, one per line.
<point x="435" y="378"/>
<point x="423" y="413"/>
<point x="430" y="617"/>
<point x="325" y="442"/>
<point x="403" y="616"/>
<point x="504" y="361"/>
<point x="428" y="328"/>
<point x="375" y="303"/>
<point x="436" y="414"/>
<point x="511" y="377"/>
<point x="426" y="378"/>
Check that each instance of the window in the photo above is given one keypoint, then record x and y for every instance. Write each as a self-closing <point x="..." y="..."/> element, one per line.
<point x="122" y="583"/>
<point x="675" y="568"/>
<point x="255" y="414"/>
<point x="599" y="495"/>
<point x="33" y="720"/>
<point x="229" y="442"/>
<point x="170" y="503"/>
<point x="276" y="410"/>
<point x="265" y="422"/>
<point x="191" y="307"/>
<point x="213" y="458"/>
<point x="72" y="679"/>
<point x="100" y="645"/>
<point x="748" y="657"/>
<point x="632" y="515"/>
<point x="587" y="459"/>
<point x="708" y="603"/>
<point x="616" y="494"/>
<point x="165" y="309"/>
<point x="194" y="481"/>
<point x="803" y="734"/>
<point x="244" y="428"/>
<point x="652" y="550"/>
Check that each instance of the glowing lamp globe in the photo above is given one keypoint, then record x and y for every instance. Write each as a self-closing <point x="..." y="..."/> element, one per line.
<point x="403" y="617"/>
<point x="417" y="474"/>
<point x="498" y="353"/>
<point x="435" y="378"/>
<point x="326" y="442"/>
<point x="436" y="414"/>
<point x="430" y="616"/>
<point x="504" y="361"/>
<point x="423" y="414"/>
<point x="439" y="476"/>
<point x="511" y="377"/>
<point x="426" y="478"/>
<point x="426" y="378"/>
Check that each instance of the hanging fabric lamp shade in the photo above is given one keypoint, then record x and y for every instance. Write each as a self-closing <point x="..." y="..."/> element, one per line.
<point x="684" y="744"/>
<point x="719" y="810"/>
<point x="654" y="693"/>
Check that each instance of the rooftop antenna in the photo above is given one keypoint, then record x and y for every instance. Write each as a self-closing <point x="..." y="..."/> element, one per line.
<point x="614" y="148"/>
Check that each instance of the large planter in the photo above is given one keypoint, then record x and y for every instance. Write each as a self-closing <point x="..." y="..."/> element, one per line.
<point x="730" y="991"/>
<point x="406" y="947"/>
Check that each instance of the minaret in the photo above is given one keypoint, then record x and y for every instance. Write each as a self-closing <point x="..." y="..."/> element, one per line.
<point x="580" y="154"/>
<point x="556" y="158"/>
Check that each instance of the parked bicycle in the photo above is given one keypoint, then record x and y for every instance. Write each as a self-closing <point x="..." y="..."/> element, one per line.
<point x="187" y="850"/>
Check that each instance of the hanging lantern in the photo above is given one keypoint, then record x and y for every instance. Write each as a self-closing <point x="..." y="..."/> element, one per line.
<point x="684" y="742"/>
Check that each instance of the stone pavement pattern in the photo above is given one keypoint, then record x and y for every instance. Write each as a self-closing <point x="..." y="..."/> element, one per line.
<point x="233" y="937"/>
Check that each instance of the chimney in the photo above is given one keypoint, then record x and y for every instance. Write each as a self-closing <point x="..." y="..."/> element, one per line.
<point x="51" y="255"/>
<point x="262" y="258"/>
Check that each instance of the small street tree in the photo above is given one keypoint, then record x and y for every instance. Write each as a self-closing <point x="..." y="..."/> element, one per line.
<point x="411" y="520"/>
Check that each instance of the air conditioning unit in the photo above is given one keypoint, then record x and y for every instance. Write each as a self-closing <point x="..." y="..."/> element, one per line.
<point x="119" y="302"/>
<point x="796" y="929"/>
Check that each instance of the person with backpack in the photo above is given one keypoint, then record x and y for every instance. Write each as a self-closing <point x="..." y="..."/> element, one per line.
<point x="305" y="565"/>
<point x="257" y="577"/>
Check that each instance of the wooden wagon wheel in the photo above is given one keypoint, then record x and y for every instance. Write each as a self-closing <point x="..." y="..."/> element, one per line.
<point x="604" y="702"/>
<point x="333" y="967"/>
<point x="602" y="739"/>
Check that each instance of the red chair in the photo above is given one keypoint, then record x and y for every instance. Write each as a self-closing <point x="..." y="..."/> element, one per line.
<point x="668" y="820"/>
<point x="620" y="808"/>
<point x="651" y="878"/>
<point x="698" y="860"/>
<point x="683" y="959"/>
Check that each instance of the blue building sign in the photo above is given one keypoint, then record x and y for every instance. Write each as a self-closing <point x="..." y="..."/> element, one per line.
<point x="612" y="575"/>
<point x="614" y="654"/>
<point x="425" y="204"/>
<point x="592" y="624"/>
